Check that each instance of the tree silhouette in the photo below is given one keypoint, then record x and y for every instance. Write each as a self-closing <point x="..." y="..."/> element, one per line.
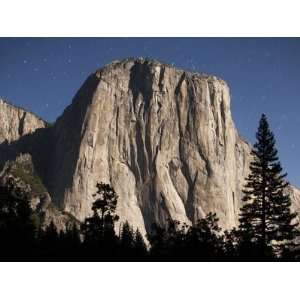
<point x="230" y="245"/>
<point x="127" y="240"/>
<point x="180" y="242"/>
<point x="266" y="220"/>
<point x="132" y="244"/>
<point x="204" y="241"/>
<point x="98" y="230"/>
<point x="70" y="244"/>
<point x="166" y="242"/>
<point x="17" y="230"/>
<point x="49" y="243"/>
<point x="140" y="249"/>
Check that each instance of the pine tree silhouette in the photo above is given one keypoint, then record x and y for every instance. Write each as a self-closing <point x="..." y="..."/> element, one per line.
<point x="127" y="240"/>
<point x="99" y="235"/>
<point x="266" y="221"/>
<point x="140" y="248"/>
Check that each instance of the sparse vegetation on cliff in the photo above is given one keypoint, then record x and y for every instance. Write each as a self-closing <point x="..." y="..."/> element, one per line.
<point x="28" y="176"/>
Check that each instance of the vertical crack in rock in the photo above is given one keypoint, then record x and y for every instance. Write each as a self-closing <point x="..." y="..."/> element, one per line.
<point x="21" y="125"/>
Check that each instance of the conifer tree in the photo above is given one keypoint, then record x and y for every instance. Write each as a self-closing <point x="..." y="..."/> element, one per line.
<point x="140" y="248"/>
<point x="127" y="238"/>
<point x="265" y="218"/>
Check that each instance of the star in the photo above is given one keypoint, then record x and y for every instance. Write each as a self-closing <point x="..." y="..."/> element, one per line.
<point x="279" y="127"/>
<point x="263" y="98"/>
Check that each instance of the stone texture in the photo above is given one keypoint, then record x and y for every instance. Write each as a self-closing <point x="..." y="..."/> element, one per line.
<point x="294" y="194"/>
<point x="16" y="122"/>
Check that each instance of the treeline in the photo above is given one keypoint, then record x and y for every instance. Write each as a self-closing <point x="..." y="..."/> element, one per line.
<point x="23" y="238"/>
<point x="267" y="231"/>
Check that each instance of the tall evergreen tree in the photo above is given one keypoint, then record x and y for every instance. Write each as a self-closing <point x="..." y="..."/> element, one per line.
<point x="265" y="218"/>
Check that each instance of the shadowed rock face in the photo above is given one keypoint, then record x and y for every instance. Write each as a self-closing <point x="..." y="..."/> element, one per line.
<point x="164" y="138"/>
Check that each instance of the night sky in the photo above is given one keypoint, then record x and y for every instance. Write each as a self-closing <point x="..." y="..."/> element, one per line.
<point x="43" y="74"/>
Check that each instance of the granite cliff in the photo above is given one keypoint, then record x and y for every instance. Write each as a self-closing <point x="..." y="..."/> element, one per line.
<point x="22" y="136"/>
<point x="163" y="137"/>
<point x="16" y="122"/>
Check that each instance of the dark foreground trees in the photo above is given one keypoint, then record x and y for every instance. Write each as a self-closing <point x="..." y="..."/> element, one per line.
<point x="100" y="241"/>
<point x="96" y="240"/>
<point x="267" y="226"/>
<point x="22" y="238"/>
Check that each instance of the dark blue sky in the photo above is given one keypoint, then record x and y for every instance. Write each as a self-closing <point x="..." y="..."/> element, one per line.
<point x="43" y="74"/>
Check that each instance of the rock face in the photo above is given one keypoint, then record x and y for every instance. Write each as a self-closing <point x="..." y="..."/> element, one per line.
<point x="16" y="122"/>
<point x="294" y="194"/>
<point x="164" y="138"/>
